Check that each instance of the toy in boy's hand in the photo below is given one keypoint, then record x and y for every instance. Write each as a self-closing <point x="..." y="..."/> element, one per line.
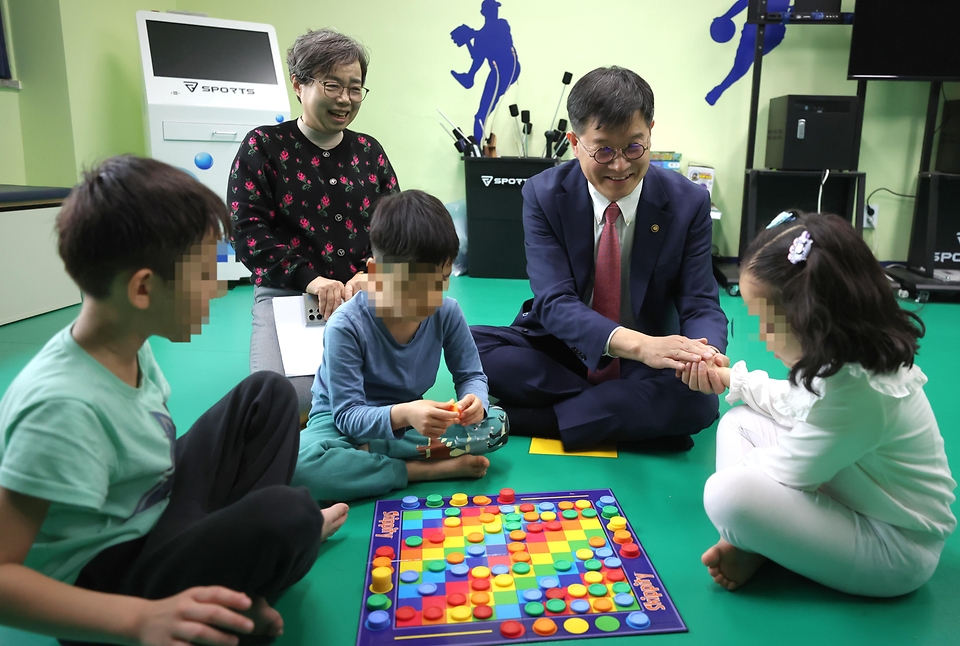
<point x="469" y="410"/>
<point x="429" y="418"/>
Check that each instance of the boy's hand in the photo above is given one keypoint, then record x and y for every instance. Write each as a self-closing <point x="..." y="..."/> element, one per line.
<point x="707" y="378"/>
<point x="470" y="410"/>
<point x="430" y="418"/>
<point x="195" y="617"/>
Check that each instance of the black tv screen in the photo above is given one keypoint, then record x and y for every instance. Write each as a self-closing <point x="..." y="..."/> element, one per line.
<point x="210" y="53"/>
<point x="915" y="40"/>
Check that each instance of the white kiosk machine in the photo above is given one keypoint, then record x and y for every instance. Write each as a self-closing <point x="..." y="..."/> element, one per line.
<point x="207" y="83"/>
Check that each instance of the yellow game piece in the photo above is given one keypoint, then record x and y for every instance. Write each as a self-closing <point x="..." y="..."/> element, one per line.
<point x="458" y="499"/>
<point x="577" y="590"/>
<point x="564" y="505"/>
<point x="547" y="516"/>
<point x="486" y="518"/>
<point x="479" y="598"/>
<point x="576" y="626"/>
<point x="583" y="504"/>
<point x="475" y="537"/>
<point x="492" y="528"/>
<point x="503" y="580"/>
<point x="617" y="522"/>
<point x="584" y="554"/>
<point x="602" y="604"/>
<point x="531" y="516"/>
<point x="597" y="541"/>
<point x="461" y="613"/>
<point x="593" y="577"/>
<point x="480" y="572"/>
<point x="382" y="580"/>
<point x="452" y="521"/>
<point x="518" y="535"/>
<point x="481" y="501"/>
<point x="453" y="558"/>
<point x="520" y="557"/>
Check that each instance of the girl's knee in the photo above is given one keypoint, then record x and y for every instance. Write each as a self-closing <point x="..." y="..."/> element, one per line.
<point x="733" y="497"/>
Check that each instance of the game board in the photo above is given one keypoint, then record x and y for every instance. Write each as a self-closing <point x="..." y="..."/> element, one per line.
<point x="514" y="568"/>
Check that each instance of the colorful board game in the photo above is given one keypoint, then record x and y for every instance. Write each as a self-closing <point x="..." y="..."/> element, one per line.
<point x="514" y="568"/>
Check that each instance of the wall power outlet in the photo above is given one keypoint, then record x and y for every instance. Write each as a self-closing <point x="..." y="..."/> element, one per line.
<point x="870" y="213"/>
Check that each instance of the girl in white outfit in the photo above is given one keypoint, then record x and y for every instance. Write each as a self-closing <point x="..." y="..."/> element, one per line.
<point x="837" y="473"/>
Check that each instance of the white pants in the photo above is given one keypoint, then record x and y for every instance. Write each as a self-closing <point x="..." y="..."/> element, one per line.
<point x="808" y="532"/>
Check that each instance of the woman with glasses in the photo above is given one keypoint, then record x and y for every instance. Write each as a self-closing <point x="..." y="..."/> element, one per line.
<point x="302" y="192"/>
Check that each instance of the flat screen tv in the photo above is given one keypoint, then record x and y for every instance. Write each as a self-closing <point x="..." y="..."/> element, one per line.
<point x="911" y="40"/>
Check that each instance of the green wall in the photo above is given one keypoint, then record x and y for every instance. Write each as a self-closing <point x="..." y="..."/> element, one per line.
<point x="11" y="139"/>
<point x="95" y="88"/>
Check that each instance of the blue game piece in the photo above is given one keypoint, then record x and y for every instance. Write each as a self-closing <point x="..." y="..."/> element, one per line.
<point x="410" y="502"/>
<point x="428" y="589"/>
<point x="476" y="550"/>
<point x="380" y="619"/>
<point x="460" y="569"/>
<point x="623" y="599"/>
<point x="507" y="509"/>
<point x="638" y="620"/>
<point x="549" y="582"/>
<point x="580" y="606"/>
<point x="606" y="501"/>
<point x="532" y="594"/>
<point x="500" y="569"/>
<point x="409" y="576"/>
<point x="612" y="562"/>
<point x="546" y="506"/>
<point x="603" y="553"/>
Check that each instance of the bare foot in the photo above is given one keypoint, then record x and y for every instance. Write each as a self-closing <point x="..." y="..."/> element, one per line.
<point x="266" y="620"/>
<point x="333" y="517"/>
<point x="465" y="466"/>
<point x="730" y="566"/>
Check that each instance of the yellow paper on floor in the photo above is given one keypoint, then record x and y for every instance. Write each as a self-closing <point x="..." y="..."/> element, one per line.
<point x="555" y="447"/>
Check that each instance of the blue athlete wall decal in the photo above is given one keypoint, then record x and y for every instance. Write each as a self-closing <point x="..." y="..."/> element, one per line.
<point x="493" y="44"/>
<point x="722" y="30"/>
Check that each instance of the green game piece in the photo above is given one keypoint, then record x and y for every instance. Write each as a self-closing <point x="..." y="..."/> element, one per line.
<point x="607" y="623"/>
<point x="621" y="586"/>
<point x="570" y="514"/>
<point x="436" y="566"/>
<point x="593" y="564"/>
<point x="521" y="568"/>
<point x="451" y="512"/>
<point x="607" y="512"/>
<point x="534" y="608"/>
<point x="562" y="566"/>
<point x="589" y="512"/>
<point x="434" y="500"/>
<point x="512" y="526"/>
<point x="512" y="518"/>
<point x="597" y="590"/>
<point x="414" y="541"/>
<point x="378" y="602"/>
<point x="556" y="605"/>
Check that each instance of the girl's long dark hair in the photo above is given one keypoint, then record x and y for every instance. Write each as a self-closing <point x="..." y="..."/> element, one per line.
<point x="838" y="301"/>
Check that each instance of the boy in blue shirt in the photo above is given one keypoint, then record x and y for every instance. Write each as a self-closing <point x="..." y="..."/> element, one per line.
<point x="112" y="529"/>
<point x="370" y="430"/>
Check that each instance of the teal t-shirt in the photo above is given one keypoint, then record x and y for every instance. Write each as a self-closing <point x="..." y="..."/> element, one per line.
<point x="101" y="451"/>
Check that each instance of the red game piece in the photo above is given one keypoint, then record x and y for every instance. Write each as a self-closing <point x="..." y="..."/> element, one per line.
<point x="506" y="496"/>
<point x="433" y="613"/>
<point x="438" y="537"/>
<point x="386" y="551"/>
<point x="491" y="510"/>
<point x="457" y="599"/>
<point x="556" y="593"/>
<point x="615" y="575"/>
<point x="629" y="550"/>
<point x="511" y="629"/>
<point x="483" y="612"/>
<point x="525" y="507"/>
<point x="534" y="528"/>
<point x="554" y="526"/>
<point x="480" y="584"/>
<point x="406" y="613"/>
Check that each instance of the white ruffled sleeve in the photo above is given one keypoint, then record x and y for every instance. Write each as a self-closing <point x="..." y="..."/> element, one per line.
<point x="775" y="398"/>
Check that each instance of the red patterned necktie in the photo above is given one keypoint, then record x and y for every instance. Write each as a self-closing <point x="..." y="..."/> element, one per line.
<point x="606" y="284"/>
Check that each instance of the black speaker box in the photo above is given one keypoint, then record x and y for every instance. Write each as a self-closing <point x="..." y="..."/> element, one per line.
<point x="812" y="132"/>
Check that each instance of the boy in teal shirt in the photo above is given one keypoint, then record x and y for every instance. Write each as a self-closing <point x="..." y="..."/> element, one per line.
<point x="114" y="530"/>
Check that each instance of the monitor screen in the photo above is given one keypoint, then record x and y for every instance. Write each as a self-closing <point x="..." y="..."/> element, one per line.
<point x="211" y="53"/>
<point x="905" y="39"/>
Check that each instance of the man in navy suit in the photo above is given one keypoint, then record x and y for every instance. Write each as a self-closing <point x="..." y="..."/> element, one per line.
<point x="619" y="259"/>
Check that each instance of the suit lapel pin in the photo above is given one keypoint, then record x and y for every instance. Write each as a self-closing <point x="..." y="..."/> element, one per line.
<point x="654" y="227"/>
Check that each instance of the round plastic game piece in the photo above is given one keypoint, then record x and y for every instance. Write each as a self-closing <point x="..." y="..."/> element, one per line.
<point x="476" y="550"/>
<point x="603" y="553"/>
<point x="450" y="512"/>
<point x="495" y="511"/>
<point x="583" y="504"/>
<point x="518" y="535"/>
<point x="617" y="522"/>
<point x="434" y="500"/>
<point x="584" y="554"/>
<point x="638" y="620"/>
<point x="520" y="557"/>
<point x="409" y="576"/>
<point x="486" y="518"/>
<point x="383" y="561"/>
<point x="607" y="623"/>
<point x="588" y="513"/>
<point x="456" y="599"/>
<point x="506" y="496"/>
<point x="597" y="541"/>
<point x="570" y="514"/>
<point x="622" y="537"/>
<point x="427" y="589"/>
<point x="609" y="512"/>
<point x="475" y="537"/>
<point x="483" y="611"/>
<point x="533" y="609"/>
<point x="555" y="593"/>
<point x="512" y="517"/>
<point x="629" y="550"/>
<point x="480" y="585"/>
<point x="382" y="580"/>
<point x="564" y="505"/>
<point x="493" y="528"/>
<point x="580" y="606"/>
<point x="593" y="577"/>
<point x="512" y="629"/>
<point x="455" y="558"/>
<point x="556" y="605"/>
<point x="548" y="516"/>
<point x="507" y="509"/>
<point x="576" y="590"/>
<point x="615" y="576"/>
<point x="436" y="566"/>
<point x="452" y="521"/>
<point x="377" y="602"/>
<point x="481" y="501"/>
<point x="562" y="566"/>
<point x="480" y="598"/>
<point x="531" y="516"/>
<point x="553" y="526"/>
<point x="602" y="605"/>
<point x="546" y="506"/>
<point x="597" y="590"/>
<point x="410" y="502"/>
<point x="535" y="528"/>
<point x="604" y="501"/>
<point x="512" y="526"/>
<point x="576" y="626"/>
<point x="621" y="587"/>
<point x="385" y="551"/>
<point x="458" y="500"/>
<point x="433" y="613"/>
<point x="406" y="613"/>
<point x="521" y="567"/>
<point x="532" y="594"/>
<point x="413" y="541"/>
<point x="592" y="564"/>
<point x="623" y="599"/>
<point x="437" y="537"/>
<point x="516" y="547"/>
<point x="460" y="569"/>
<point x="549" y="582"/>
<point x="503" y="580"/>
<point x="525" y="507"/>
<point x="500" y="569"/>
<point x="480" y="572"/>
<point x="378" y="620"/>
<point x="544" y="627"/>
<point x="461" y="613"/>
<point x="612" y="562"/>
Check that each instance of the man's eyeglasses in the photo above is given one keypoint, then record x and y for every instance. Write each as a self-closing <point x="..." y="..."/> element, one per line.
<point x="606" y="155"/>
<point x="334" y="90"/>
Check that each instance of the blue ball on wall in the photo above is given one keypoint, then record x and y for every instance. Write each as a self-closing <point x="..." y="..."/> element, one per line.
<point x="279" y="118"/>
<point x="203" y="161"/>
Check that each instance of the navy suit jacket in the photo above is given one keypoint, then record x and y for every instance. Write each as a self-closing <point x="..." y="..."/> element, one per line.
<point x="672" y="287"/>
